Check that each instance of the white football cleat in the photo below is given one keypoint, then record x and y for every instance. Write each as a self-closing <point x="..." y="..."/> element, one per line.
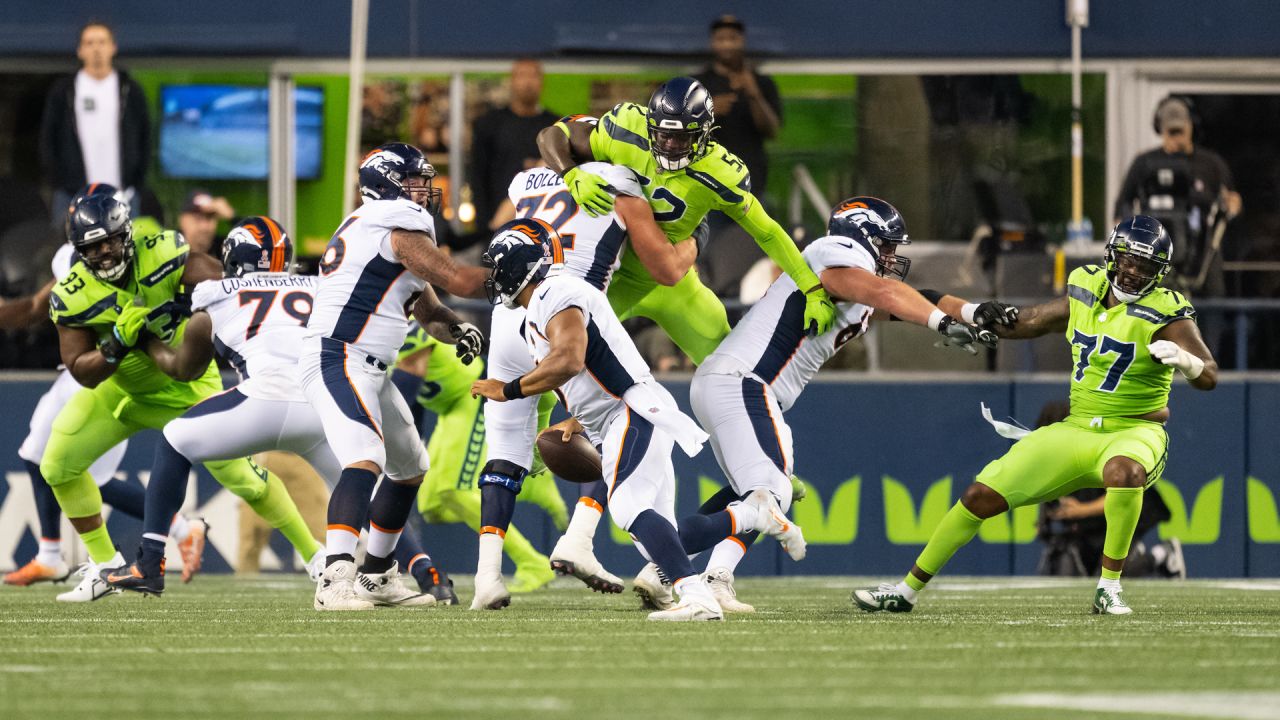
<point x="654" y="594"/>
<point x="315" y="566"/>
<point x="491" y="593"/>
<point x="720" y="580"/>
<point x="775" y="524"/>
<point x="696" y="603"/>
<point x="575" y="556"/>
<point x="336" y="590"/>
<point x="386" y="589"/>
<point x="92" y="586"/>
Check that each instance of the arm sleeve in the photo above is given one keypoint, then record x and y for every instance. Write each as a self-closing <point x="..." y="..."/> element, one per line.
<point x="775" y="242"/>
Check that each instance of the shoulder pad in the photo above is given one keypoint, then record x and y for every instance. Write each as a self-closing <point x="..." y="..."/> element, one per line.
<point x="79" y="299"/>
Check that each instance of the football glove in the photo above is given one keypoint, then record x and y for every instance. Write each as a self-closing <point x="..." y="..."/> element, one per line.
<point x="958" y="334"/>
<point x="992" y="313"/>
<point x="819" y="312"/>
<point x="468" y="341"/>
<point x="591" y="192"/>
<point x="1168" y="352"/>
<point x="112" y="349"/>
<point x="130" y="324"/>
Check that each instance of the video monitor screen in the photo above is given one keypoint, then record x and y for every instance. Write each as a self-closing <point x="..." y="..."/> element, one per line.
<point x="220" y="131"/>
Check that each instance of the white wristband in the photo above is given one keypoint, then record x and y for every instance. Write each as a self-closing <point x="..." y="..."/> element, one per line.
<point x="1194" y="366"/>
<point x="935" y="319"/>
<point x="967" y="311"/>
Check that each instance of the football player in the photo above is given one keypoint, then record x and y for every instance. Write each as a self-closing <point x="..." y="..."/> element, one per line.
<point x="592" y="246"/>
<point x="48" y="564"/>
<point x="373" y="274"/>
<point x="741" y="392"/>
<point x="685" y="174"/>
<point x="123" y="289"/>
<point x="1127" y="335"/>
<point x="581" y="351"/>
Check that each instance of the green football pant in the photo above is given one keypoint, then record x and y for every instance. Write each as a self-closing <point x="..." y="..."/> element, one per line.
<point x="97" y="419"/>
<point x="688" y="311"/>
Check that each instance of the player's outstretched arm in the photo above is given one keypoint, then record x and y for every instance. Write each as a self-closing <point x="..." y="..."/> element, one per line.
<point x="443" y="324"/>
<point x="1179" y="344"/>
<point x="667" y="263"/>
<point x="1037" y="320"/>
<point x="901" y="301"/>
<point x="200" y="267"/>
<point x="567" y="335"/>
<point x="80" y="353"/>
<point x="26" y="311"/>
<point x="191" y="359"/>
<point x="417" y="251"/>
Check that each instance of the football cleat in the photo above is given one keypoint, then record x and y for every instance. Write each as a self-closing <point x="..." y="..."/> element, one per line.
<point x="386" y="589"/>
<point x="441" y="587"/>
<point x="37" y="572"/>
<point x="1174" y="564"/>
<point x="696" y="603"/>
<point x="653" y="592"/>
<point x="575" y="556"/>
<point x="491" y="593"/>
<point x="886" y="597"/>
<point x="336" y="590"/>
<point x="145" y="576"/>
<point x="776" y="524"/>
<point x="315" y="566"/>
<point x="92" y="586"/>
<point x="1107" y="601"/>
<point x="192" y="548"/>
<point x="720" y="581"/>
<point x="531" y="577"/>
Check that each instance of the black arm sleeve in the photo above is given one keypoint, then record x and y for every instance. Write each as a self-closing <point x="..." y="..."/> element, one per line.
<point x="932" y="296"/>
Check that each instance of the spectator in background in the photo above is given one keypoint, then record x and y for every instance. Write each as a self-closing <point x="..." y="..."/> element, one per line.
<point x="198" y="221"/>
<point x="1189" y="190"/>
<point x="748" y="109"/>
<point x="95" y="128"/>
<point x="504" y="141"/>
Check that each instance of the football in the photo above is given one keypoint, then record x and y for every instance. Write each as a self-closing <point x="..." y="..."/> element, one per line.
<point x="575" y="461"/>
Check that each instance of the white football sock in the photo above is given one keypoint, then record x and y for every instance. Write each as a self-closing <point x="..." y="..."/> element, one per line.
<point x="907" y="592"/>
<point x="1109" y="584"/>
<point x="585" y="520"/>
<point x="382" y="542"/>
<point x="50" y="552"/>
<point x="727" y="554"/>
<point x="180" y="528"/>
<point x="489" y="562"/>
<point x="746" y="517"/>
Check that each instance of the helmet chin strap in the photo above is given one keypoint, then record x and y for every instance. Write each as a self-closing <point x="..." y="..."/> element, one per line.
<point x="1123" y="296"/>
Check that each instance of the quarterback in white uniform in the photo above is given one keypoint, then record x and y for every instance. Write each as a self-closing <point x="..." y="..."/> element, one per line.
<point x="741" y="391"/>
<point x="592" y="247"/>
<point x="581" y="351"/>
<point x="373" y="275"/>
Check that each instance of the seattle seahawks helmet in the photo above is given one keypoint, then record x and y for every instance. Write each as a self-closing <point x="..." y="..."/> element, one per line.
<point x="522" y="251"/>
<point x="878" y="227"/>
<point x="99" y="228"/>
<point x="680" y="118"/>
<point x="256" y="244"/>
<point x="385" y="174"/>
<point x="1138" y="255"/>
<point x="84" y="192"/>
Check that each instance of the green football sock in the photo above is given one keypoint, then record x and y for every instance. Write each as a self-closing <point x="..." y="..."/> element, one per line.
<point x="957" y="528"/>
<point x="98" y="542"/>
<point x="1121" y="508"/>
<point x="277" y="508"/>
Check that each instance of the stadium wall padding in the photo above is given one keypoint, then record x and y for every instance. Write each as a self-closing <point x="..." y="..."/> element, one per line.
<point x="883" y="461"/>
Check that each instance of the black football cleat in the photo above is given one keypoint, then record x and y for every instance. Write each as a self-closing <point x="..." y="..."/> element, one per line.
<point x="145" y="575"/>
<point x="441" y="587"/>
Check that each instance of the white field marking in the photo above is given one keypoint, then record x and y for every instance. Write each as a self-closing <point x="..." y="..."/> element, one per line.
<point x="23" y="669"/>
<point x="1272" y="585"/>
<point x="1243" y="705"/>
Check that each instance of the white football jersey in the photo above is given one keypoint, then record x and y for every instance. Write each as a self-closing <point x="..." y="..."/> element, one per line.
<point x="259" y="321"/>
<point x="63" y="259"/>
<point x="770" y="342"/>
<point x="592" y="245"/>
<point x="365" y="294"/>
<point x="613" y="364"/>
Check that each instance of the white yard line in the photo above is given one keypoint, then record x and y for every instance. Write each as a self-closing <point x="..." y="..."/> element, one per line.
<point x="1243" y="705"/>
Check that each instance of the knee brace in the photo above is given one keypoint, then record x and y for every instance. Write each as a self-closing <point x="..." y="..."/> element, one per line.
<point x="503" y="474"/>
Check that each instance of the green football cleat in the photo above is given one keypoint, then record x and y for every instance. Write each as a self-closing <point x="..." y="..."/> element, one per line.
<point x="1108" y="602"/>
<point x="886" y="597"/>
<point x="534" y="576"/>
<point x="798" y="490"/>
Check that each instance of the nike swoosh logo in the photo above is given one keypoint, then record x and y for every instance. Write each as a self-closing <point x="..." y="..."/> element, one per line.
<point x="846" y="245"/>
<point x="544" y="293"/>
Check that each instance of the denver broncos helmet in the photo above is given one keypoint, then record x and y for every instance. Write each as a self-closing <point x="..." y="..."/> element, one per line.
<point x="1145" y="248"/>
<point x="522" y="251"/>
<point x="680" y="118"/>
<point x="385" y="174"/>
<point x="878" y="227"/>
<point x="256" y="244"/>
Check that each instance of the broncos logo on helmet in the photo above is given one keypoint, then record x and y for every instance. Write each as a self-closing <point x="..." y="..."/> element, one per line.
<point x="878" y="227"/>
<point x="388" y="173"/>
<point x="522" y="251"/>
<point x="256" y="244"/>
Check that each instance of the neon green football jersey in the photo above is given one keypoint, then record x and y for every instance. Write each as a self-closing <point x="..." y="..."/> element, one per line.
<point x="680" y="198"/>
<point x="446" y="380"/>
<point x="1113" y="374"/>
<point x="81" y="300"/>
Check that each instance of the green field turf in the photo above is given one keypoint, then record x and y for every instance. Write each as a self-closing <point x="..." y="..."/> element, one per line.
<point x="976" y="648"/>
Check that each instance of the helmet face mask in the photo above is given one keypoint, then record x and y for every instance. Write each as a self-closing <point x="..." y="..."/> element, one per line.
<point x="398" y="170"/>
<point x="680" y="118"/>
<point x="879" y="227"/>
<point x="100" y="230"/>
<point x="110" y="258"/>
<point x="1138" y="256"/>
